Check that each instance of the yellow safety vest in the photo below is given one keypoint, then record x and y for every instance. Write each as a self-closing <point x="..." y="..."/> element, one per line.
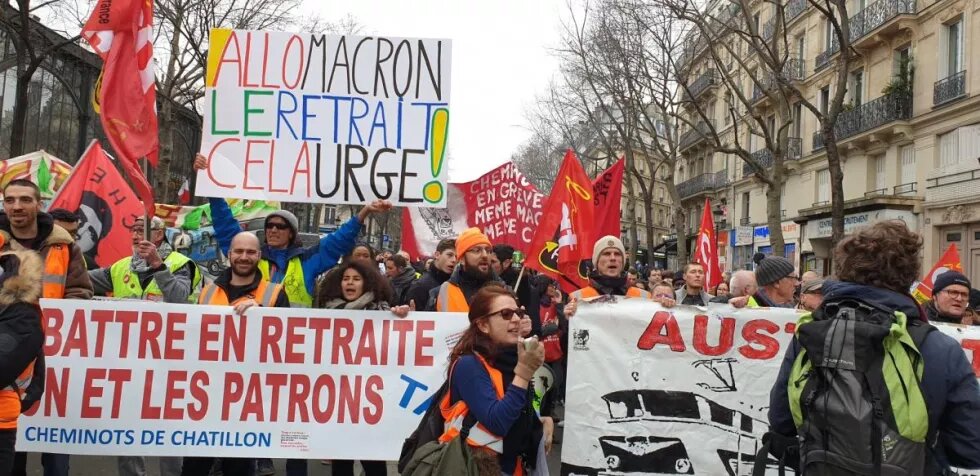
<point x="126" y="283"/>
<point x="294" y="282"/>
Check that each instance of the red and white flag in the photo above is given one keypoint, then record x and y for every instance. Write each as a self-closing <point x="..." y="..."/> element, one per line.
<point x="121" y="33"/>
<point x="105" y="204"/>
<point x="949" y="261"/>
<point x="608" y="191"/>
<point x="706" y="251"/>
<point x="502" y="203"/>
<point x="184" y="194"/>
<point x="562" y="245"/>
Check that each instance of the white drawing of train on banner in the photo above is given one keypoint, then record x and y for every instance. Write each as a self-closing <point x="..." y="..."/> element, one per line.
<point x="664" y="432"/>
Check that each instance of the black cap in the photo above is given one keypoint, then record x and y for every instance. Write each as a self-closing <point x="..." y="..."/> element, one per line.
<point x="950" y="278"/>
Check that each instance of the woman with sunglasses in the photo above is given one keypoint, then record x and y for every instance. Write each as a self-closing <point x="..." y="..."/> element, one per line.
<point x="489" y="373"/>
<point x="356" y="285"/>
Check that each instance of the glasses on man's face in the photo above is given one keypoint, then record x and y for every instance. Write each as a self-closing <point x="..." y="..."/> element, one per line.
<point x="508" y="314"/>
<point x="957" y="294"/>
<point x="480" y="250"/>
<point x="277" y="226"/>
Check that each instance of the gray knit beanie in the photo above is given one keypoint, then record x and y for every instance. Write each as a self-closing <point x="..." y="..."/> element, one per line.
<point x="772" y="269"/>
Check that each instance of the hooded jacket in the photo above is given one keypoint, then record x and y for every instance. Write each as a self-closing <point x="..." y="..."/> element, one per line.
<point x="77" y="283"/>
<point x="431" y="279"/>
<point x="401" y="284"/>
<point x="20" y="326"/>
<point x="315" y="260"/>
<point x="949" y="384"/>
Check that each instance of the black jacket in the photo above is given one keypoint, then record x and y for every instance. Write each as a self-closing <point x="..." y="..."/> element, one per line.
<point x="401" y="285"/>
<point x="431" y="279"/>
<point x="20" y="320"/>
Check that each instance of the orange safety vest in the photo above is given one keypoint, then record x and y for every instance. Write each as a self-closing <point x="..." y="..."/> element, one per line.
<point x="451" y="299"/>
<point x="55" y="272"/>
<point x="479" y="436"/>
<point x="590" y="292"/>
<point x="265" y="294"/>
<point x="11" y="396"/>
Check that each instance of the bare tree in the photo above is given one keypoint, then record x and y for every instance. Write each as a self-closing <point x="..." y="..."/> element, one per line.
<point x="612" y="80"/>
<point x="744" y="53"/>
<point x="31" y="49"/>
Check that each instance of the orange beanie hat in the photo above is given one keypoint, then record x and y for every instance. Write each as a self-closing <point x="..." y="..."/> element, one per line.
<point x="469" y="238"/>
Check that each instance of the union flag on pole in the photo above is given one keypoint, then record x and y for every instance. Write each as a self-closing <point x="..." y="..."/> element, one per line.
<point x="706" y="251"/>
<point x="105" y="204"/>
<point x="121" y="33"/>
<point x="949" y="261"/>
<point x="608" y="191"/>
<point x="562" y="244"/>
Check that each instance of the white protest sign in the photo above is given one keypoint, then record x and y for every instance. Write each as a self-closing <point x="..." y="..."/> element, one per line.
<point x="326" y="118"/>
<point x="679" y="391"/>
<point x="139" y="378"/>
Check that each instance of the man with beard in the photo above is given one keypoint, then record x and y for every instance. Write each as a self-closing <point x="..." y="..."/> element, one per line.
<point x="401" y="276"/>
<point x="473" y="249"/>
<point x="435" y="274"/>
<point x="25" y="226"/>
<point x="241" y="286"/>
<point x="155" y="272"/>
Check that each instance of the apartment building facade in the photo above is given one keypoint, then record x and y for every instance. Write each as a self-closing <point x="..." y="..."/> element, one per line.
<point x="909" y="136"/>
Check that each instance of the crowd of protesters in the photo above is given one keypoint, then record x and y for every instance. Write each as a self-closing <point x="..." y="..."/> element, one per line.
<point x="491" y="367"/>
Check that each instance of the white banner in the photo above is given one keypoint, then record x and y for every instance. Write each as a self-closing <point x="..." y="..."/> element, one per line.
<point x="680" y="391"/>
<point x="326" y="118"/>
<point x="139" y="378"/>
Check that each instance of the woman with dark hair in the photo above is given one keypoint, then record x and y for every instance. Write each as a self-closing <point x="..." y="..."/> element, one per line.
<point x="361" y="251"/>
<point x="489" y="374"/>
<point x="356" y="285"/>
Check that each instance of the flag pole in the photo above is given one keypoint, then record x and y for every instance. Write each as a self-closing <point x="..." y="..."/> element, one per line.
<point x="520" y="276"/>
<point x="146" y="214"/>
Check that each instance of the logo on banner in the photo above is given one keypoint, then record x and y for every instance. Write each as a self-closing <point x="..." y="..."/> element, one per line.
<point x="581" y="339"/>
<point x="439" y="221"/>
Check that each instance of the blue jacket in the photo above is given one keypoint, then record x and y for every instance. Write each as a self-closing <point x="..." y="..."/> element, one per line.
<point x="948" y="384"/>
<point x="315" y="260"/>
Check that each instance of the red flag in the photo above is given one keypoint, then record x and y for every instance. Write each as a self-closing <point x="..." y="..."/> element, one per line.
<point x="562" y="244"/>
<point x="184" y="194"/>
<point x="608" y="191"/>
<point x="121" y="33"/>
<point x="105" y="203"/>
<point x="949" y="261"/>
<point x="706" y="251"/>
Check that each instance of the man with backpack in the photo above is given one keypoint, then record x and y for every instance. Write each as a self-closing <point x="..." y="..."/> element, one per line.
<point x="865" y="386"/>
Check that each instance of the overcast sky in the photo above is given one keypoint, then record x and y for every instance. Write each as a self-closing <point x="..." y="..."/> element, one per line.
<point x="501" y="60"/>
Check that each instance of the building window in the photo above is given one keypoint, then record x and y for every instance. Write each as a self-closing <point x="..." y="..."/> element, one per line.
<point x="902" y="57"/>
<point x="907" y="153"/>
<point x="745" y="207"/>
<point x="797" y="129"/>
<point x="800" y="47"/>
<point x="954" y="48"/>
<point x="728" y="107"/>
<point x="856" y="86"/>
<point x="828" y="34"/>
<point x="823" y="186"/>
<point x="824" y="99"/>
<point x="329" y="215"/>
<point x="879" y="173"/>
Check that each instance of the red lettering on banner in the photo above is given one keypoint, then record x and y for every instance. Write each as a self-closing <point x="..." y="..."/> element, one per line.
<point x="173" y="395"/>
<point x="248" y="56"/>
<point x="294" y="337"/>
<point x="277" y="382"/>
<point x="77" y="336"/>
<point x="126" y="319"/>
<point x="199" y="384"/>
<point x="208" y="336"/>
<point x="232" y="338"/>
<point x="118" y="377"/>
<point x="320" y="327"/>
<point x="372" y="394"/>
<point x="101" y="318"/>
<point x="752" y="333"/>
<point x="53" y="320"/>
<point x="423" y="342"/>
<point x="91" y="390"/>
<point x="299" y="392"/>
<point x="324" y="383"/>
<point x="151" y="326"/>
<point x="385" y="329"/>
<point x="343" y="333"/>
<point x="365" y="348"/>
<point x="350" y="395"/>
<point x="654" y="333"/>
<point x="174" y="335"/>
<point x="234" y="386"/>
<point x="725" y="339"/>
<point x="253" y="399"/>
<point x="402" y="328"/>
<point x="269" y="343"/>
<point x="973" y="347"/>
<point x="147" y="410"/>
<point x="55" y="391"/>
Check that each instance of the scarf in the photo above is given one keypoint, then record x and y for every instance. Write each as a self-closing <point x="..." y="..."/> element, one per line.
<point x="607" y="285"/>
<point x="139" y="265"/>
<point x="364" y="302"/>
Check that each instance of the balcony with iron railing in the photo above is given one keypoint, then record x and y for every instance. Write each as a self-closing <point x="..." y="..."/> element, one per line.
<point x="886" y="109"/>
<point x="861" y="24"/>
<point x="695" y="135"/>
<point x="793" y="70"/>
<point x="905" y="189"/>
<point x="702" y="183"/>
<point x="794" y="151"/>
<point x="701" y="84"/>
<point x="949" y="89"/>
<point x="792" y="10"/>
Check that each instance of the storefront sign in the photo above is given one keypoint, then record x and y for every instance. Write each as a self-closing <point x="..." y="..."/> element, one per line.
<point x="856" y="222"/>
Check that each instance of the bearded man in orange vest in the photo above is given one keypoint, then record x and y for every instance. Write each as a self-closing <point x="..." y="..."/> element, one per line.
<point x="473" y="250"/>
<point x="24" y="226"/>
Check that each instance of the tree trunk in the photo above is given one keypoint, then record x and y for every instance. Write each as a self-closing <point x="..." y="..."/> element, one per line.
<point x="651" y="238"/>
<point x="165" y="120"/>
<point x="18" y="126"/>
<point x="836" y="188"/>
<point x="774" y="219"/>
<point x="631" y="216"/>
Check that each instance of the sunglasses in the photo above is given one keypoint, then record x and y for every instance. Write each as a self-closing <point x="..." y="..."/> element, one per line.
<point x="508" y="314"/>
<point x="278" y="226"/>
